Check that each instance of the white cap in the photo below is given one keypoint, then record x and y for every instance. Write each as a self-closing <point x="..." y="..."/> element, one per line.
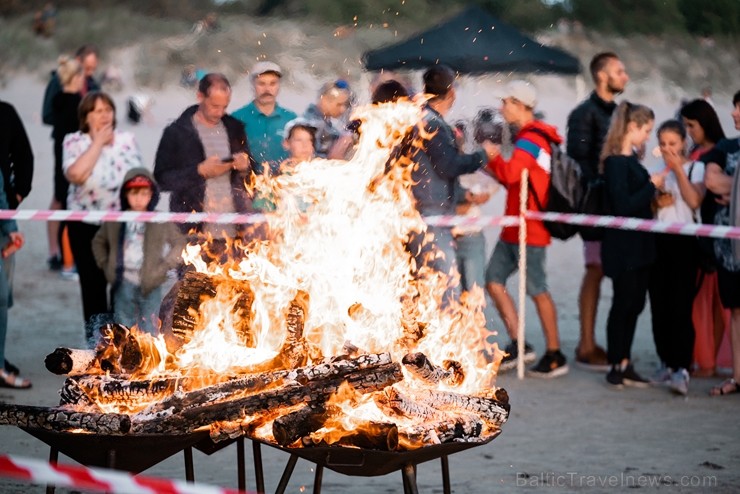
<point x="263" y="67"/>
<point x="521" y="91"/>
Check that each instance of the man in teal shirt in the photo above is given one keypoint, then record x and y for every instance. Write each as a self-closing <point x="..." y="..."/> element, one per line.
<point x="264" y="120"/>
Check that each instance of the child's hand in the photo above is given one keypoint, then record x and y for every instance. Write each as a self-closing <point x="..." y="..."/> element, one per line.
<point x="658" y="179"/>
<point x="14" y="244"/>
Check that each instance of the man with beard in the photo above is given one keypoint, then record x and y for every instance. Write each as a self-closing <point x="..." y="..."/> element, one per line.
<point x="587" y="127"/>
<point x="264" y="120"/>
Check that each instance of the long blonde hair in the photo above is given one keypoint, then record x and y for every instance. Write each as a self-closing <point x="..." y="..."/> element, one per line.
<point x="67" y="69"/>
<point x="624" y="114"/>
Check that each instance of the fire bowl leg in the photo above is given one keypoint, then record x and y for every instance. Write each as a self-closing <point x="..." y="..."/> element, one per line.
<point x="445" y="475"/>
<point x="409" y="479"/>
<point x="189" y="470"/>
<point x="241" y="476"/>
<point x="259" y="476"/>
<point x="286" y="474"/>
<point x="318" y="479"/>
<point x="53" y="459"/>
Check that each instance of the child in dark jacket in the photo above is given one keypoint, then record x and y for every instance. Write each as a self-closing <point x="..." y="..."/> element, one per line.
<point x="136" y="256"/>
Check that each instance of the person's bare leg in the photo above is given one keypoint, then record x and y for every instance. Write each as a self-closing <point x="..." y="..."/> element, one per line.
<point x="588" y="302"/>
<point x="735" y="343"/>
<point x="52" y="231"/>
<point x="549" y="319"/>
<point x="506" y="308"/>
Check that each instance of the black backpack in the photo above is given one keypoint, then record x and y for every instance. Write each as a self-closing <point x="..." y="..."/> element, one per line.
<point x="566" y="192"/>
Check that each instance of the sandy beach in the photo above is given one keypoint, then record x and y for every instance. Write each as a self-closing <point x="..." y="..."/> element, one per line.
<point x="571" y="434"/>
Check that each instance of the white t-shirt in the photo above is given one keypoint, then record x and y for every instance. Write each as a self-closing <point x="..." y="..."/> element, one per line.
<point x="679" y="211"/>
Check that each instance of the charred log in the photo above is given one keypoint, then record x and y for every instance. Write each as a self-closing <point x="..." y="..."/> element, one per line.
<point x="370" y="435"/>
<point x="70" y="361"/>
<point x="395" y="403"/>
<point x="131" y="394"/>
<point x="422" y="368"/>
<point x="460" y="426"/>
<point x="63" y="419"/>
<point x="191" y="292"/>
<point x="317" y="391"/>
<point x="493" y="411"/>
<point x="290" y="427"/>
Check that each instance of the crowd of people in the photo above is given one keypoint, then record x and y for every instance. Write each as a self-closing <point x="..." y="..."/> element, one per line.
<point x="206" y="154"/>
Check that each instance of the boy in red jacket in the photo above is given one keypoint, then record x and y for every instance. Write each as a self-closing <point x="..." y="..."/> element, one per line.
<point x="531" y="152"/>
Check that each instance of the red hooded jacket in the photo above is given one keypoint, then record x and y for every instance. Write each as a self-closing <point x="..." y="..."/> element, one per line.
<point x="531" y="151"/>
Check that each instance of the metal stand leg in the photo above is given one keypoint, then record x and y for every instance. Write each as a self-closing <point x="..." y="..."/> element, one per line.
<point x="240" y="470"/>
<point x="53" y="459"/>
<point x="110" y="461"/>
<point x="317" y="479"/>
<point x="189" y="471"/>
<point x="258" y="475"/>
<point x="409" y="480"/>
<point x="286" y="474"/>
<point x="445" y="475"/>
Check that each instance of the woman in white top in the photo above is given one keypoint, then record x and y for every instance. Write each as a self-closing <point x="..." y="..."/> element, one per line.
<point x="673" y="278"/>
<point x="95" y="160"/>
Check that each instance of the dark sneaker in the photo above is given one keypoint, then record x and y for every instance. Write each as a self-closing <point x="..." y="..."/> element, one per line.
<point x="632" y="378"/>
<point x="615" y="377"/>
<point x="552" y="364"/>
<point x="512" y="350"/>
<point x="595" y="360"/>
<point x="55" y="263"/>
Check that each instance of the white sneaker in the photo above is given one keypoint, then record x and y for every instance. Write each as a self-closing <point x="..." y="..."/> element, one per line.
<point x="69" y="274"/>
<point x="679" y="382"/>
<point x="662" y="376"/>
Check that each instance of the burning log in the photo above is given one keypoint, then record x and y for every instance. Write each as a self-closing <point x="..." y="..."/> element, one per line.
<point x="70" y="361"/>
<point x="132" y="394"/>
<point x="63" y="419"/>
<point x="490" y="409"/>
<point x="316" y="391"/>
<point x="369" y="435"/>
<point x="460" y="426"/>
<point x="191" y="292"/>
<point x="290" y="427"/>
<point x="422" y="368"/>
<point x="395" y="403"/>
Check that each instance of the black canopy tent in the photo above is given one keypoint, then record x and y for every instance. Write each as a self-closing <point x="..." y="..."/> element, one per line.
<point x="473" y="42"/>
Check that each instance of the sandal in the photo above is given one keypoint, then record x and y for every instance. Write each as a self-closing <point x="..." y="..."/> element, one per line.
<point x="727" y="387"/>
<point x="8" y="380"/>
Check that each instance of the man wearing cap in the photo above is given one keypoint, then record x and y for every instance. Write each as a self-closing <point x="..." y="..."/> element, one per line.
<point x="532" y="153"/>
<point x="263" y="119"/>
<point x="439" y="162"/>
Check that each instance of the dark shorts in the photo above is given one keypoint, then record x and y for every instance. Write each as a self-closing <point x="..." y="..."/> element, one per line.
<point x="729" y="288"/>
<point x="505" y="261"/>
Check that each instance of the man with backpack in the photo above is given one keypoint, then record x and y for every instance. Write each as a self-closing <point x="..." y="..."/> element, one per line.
<point x="532" y="151"/>
<point x="588" y="124"/>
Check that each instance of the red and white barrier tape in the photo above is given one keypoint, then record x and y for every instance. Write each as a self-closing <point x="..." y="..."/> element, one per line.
<point x="97" y="479"/>
<point x="619" y="222"/>
<point x="125" y="216"/>
<point x="442" y="220"/>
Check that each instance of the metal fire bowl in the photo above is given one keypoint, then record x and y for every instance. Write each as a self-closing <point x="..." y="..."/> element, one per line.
<point x="132" y="453"/>
<point x="359" y="462"/>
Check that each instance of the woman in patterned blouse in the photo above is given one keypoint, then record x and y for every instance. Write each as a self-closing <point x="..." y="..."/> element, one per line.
<point x="95" y="160"/>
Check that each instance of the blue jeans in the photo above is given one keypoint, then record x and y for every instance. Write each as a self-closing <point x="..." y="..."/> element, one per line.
<point x="132" y="307"/>
<point x="471" y="259"/>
